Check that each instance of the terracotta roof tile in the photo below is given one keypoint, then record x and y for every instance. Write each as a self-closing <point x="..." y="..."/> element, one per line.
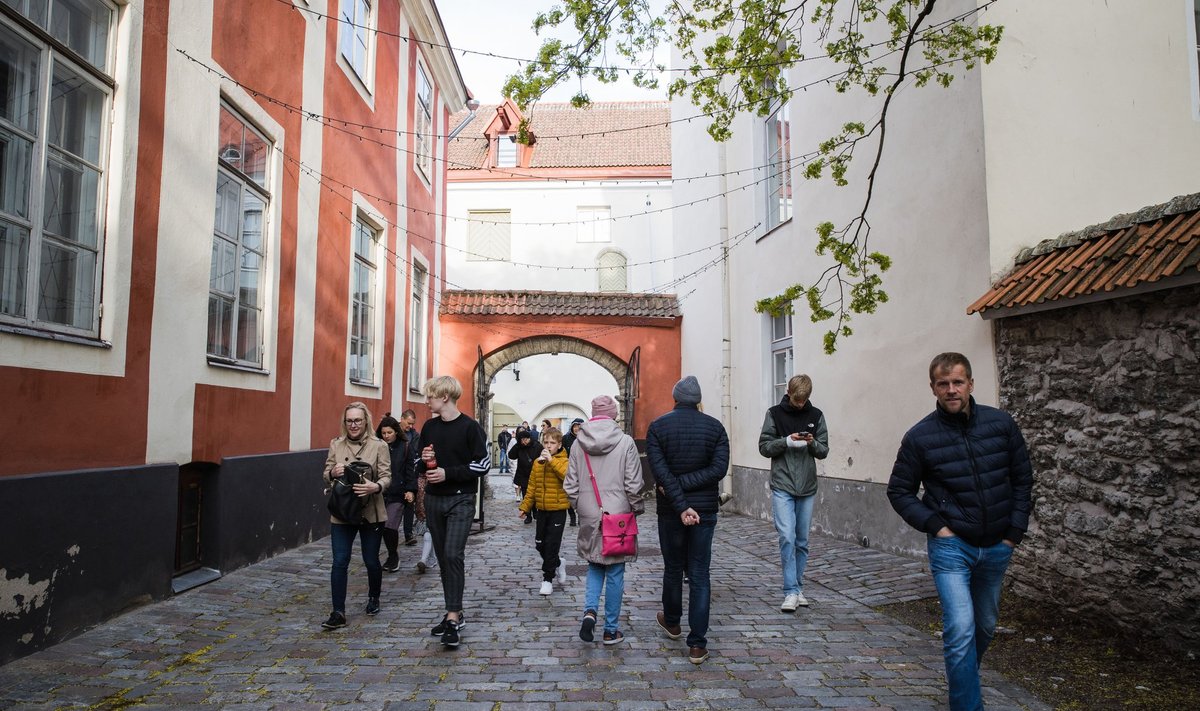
<point x="558" y="303"/>
<point x="1151" y="244"/>
<point x="607" y="134"/>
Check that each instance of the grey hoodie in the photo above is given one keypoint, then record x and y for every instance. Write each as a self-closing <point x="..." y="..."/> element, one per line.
<point x="618" y="471"/>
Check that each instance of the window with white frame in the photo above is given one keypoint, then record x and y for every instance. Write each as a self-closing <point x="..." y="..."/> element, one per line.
<point x="779" y="166"/>
<point x="594" y="225"/>
<point x="782" y="360"/>
<point x="424" y="121"/>
<point x="612" y="274"/>
<point x="489" y="235"/>
<point x="363" y="273"/>
<point x="416" y="322"/>
<point x="354" y="39"/>
<point x="54" y="131"/>
<point x="235" y="282"/>
<point x="506" y="151"/>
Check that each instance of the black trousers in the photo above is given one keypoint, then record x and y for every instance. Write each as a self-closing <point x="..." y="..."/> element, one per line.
<point x="548" y="540"/>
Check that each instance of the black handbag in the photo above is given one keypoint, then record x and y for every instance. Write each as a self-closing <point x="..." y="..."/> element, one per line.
<point x="343" y="503"/>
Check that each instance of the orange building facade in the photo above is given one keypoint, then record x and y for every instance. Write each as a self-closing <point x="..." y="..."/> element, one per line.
<point x="225" y="223"/>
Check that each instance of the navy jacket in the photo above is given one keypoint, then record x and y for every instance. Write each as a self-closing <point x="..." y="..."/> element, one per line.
<point x="688" y="452"/>
<point x="976" y="472"/>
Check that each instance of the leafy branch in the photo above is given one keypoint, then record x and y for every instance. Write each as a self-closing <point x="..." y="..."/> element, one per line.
<point x="737" y="54"/>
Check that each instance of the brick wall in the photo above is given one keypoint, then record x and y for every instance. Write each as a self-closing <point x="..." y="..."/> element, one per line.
<point x="1108" y="397"/>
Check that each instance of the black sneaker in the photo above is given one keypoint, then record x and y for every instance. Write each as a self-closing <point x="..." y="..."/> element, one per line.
<point x="450" y="635"/>
<point x="587" y="629"/>
<point x="336" y="620"/>
<point x="441" y="626"/>
<point x="372" y="606"/>
<point x="392" y="564"/>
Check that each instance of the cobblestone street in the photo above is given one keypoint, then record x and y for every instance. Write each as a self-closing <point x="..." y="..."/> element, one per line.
<point x="253" y="640"/>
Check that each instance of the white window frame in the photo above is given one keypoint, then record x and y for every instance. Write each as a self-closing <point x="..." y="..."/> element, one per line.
<point x="594" y="224"/>
<point x="779" y="345"/>
<point x="371" y="324"/>
<point x="480" y="222"/>
<point x="506" y="151"/>
<point x="423" y="125"/>
<point x="356" y="36"/>
<point x="417" y="322"/>
<point x="602" y="271"/>
<point x="231" y="170"/>
<point x="778" y="165"/>
<point x="21" y="265"/>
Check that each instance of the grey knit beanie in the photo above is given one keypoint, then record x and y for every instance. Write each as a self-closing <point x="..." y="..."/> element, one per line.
<point x="687" y="391"/>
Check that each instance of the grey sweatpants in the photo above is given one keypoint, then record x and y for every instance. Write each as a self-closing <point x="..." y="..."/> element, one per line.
<point x="449" y="520"/>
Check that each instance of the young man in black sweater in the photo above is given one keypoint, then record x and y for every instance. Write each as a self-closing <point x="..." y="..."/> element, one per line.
<point x="454" y="456"/>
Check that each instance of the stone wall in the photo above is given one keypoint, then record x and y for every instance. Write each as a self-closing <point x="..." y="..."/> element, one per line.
<point x="1108" y="397"/>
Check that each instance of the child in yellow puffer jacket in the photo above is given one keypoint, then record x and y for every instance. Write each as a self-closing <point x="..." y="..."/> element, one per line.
<point x="545" y="493"/>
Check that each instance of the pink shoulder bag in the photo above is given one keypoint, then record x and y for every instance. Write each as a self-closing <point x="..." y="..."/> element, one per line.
<point x="617" y="531"/>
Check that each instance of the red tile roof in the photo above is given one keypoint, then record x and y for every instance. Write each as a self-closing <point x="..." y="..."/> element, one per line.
<point x="1151" y="244"/>
<point x="558" y="303"/>
<point x="607" y="134"/>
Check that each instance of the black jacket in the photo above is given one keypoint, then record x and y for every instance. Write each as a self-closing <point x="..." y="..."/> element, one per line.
<point x="688" y="452"/>
<point x="524" y="457"/>
<point x="976" y="472"/>
<point x="406" y="450"/>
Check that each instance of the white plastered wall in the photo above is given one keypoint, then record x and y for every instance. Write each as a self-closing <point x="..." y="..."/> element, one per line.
<point x="928" y="214"/>
<point x="1090" y="111"/>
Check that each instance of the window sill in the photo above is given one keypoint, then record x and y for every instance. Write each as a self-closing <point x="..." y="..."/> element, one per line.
<point x="55" y="336"/>
<point x="774" y="229"/>
<point x="364" y="384"/>
<point x="234" y="365"/>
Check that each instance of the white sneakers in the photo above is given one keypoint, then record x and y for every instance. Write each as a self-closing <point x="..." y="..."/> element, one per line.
<point x="547" y="588"/>
<point x="561" y="574"/>
<point x="791" y="602"/>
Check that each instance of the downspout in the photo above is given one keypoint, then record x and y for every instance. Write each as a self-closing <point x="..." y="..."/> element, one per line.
<point x="726" y="315"/>
<point x="472" y="106"/>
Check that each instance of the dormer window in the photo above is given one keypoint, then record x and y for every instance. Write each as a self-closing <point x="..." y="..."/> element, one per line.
<point x="506" y="151"/>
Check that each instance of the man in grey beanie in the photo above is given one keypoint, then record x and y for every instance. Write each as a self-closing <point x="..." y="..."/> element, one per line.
<point x="688" y="452"/>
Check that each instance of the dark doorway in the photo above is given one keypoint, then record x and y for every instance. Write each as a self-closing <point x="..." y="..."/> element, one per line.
<point x="189" y="548"/>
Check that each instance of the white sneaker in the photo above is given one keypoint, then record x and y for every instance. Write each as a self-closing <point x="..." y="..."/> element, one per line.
<point x="801" y="600"/>
<point x="547" y="588"/>
<point x="790" y="603"/>
<point x="561" y="574"/>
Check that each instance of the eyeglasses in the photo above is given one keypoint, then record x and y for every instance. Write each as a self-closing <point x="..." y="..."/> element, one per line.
<point x="355" y="422"/>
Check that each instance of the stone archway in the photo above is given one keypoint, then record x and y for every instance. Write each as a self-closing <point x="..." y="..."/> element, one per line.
<point x="539" y="345"/>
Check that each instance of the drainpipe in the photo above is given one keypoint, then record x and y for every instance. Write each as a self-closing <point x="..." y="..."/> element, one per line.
<point x="472" y="106"/>
<point x="726" y="314"/>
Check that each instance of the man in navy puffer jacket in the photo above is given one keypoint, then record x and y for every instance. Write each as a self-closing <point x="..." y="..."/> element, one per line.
<point x="688" y="452"/>
<point x="978" y="483"/>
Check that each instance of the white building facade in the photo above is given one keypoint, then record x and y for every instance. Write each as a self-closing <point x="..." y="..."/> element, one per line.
<point x="1060" y="131"/>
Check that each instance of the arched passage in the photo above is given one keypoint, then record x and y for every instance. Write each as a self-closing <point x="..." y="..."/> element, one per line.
<point x="484" y="331"/>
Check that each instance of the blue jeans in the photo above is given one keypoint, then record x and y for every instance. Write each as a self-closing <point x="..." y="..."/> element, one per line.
<point x="342" y="535"/>
<point x="690" y="548"/>
<point x="612" y="579"/>
<point x="968" y="582"/>
<point x="793" y="519"/>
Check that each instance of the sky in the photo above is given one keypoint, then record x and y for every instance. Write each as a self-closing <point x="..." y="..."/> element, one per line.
<point x="506" y="29"/>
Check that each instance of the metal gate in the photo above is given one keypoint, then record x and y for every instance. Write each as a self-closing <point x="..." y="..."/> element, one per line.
<point x="633" y="384"/>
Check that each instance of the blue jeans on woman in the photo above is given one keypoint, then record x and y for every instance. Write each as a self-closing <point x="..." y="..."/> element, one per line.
<point x="687" y="549"/>
<point x="341" y="535"/>
<point x="612" y="579"/>
<point x="968" y="580"/>
<point x="793" y="518"/>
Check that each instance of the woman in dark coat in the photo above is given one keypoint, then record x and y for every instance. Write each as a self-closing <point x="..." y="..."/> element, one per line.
<point x="524" y="452"/>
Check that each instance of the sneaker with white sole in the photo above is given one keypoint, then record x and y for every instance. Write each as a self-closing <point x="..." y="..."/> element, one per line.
<point x="790" y="603"/>
<point x="801" y="600"/>
<point x="547" y="588"/>
<point x="561" y="574"/>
